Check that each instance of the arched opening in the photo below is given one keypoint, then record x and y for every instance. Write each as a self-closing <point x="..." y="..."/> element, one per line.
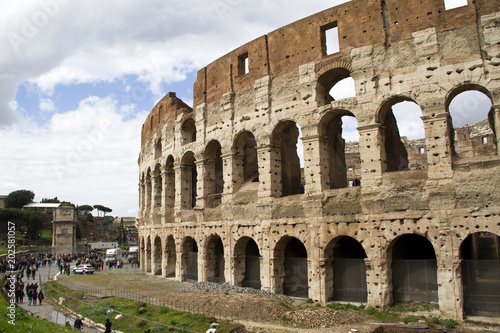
<point x="170" y="256"/>
<point x="147" y="257"/>
<point x="480" y="254"/>
<point x="332" y="85"/>
<point x="214" y="183"/>
<point x="169" y="186"/>
<point x="247" y="263"/>
<point x="342" y="163"/>
<point x="190" y="259"/>
<point x="147" y="196"/>
<point x="215" y="259"/>
<point x="471" y="112"/>
<point x="285" y="140"/>
<point x="188" y="131"/>
<point x="142" y="183"/>
<point x="142" y="259"/>
<point x="291" y="269"/>
<point x="245" y="161"/>
<point x="158" y="148"/>
<point x="414" y="270"/>
<point x="156" y="268"/>
<point x="346" y="270"/>
<point x="189" y="179"/>
<point x="403" y="135"/>
<point x="158" y="183"/>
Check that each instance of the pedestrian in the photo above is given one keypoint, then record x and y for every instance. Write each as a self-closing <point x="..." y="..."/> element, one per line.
<point x="78" y="323"/>
<point x="40" y="297"/>
<point x="108" y="326"/>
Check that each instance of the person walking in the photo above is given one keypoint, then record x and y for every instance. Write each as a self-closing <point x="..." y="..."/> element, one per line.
<point x="78" y="323"/>
<point x="40" y="297"/>
<point x="107" y="326"/>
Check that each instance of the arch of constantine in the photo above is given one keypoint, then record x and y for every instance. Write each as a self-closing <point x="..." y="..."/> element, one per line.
<point x="224" y="195"/>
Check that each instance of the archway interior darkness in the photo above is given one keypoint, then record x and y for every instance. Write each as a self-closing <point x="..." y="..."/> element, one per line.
<point x="191" y="252"/>
<point x="473" y="132"/>
<point x="214" y="182"/>
<point x="414" y="270"/>
<point x="252" y="265"/>
<point x="157" y="256"/>
<point x="285" y="136"/>
<point x="481" y="274"/>
<point x="169" y="186"/>
<point x="189" y="179"/>
<point x="188" y="131"/>
<point x="171" y="256"/>
<point x="295" y="282"/>
<point x="349" y="271"/>
<point x="158" y="188"/>
<point x="215" y="260"/>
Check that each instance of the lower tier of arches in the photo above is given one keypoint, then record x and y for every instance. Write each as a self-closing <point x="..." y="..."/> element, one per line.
<point x="449" y="259"/>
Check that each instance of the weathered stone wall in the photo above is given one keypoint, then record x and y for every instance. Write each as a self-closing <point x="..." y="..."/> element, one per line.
<point x="418" y="52"/>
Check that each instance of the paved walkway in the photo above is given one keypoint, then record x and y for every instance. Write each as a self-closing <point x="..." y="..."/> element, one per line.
<point x="48" y="312"/>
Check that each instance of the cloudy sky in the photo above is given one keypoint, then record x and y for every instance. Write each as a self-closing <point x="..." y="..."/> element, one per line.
<point x="78" y="78"/>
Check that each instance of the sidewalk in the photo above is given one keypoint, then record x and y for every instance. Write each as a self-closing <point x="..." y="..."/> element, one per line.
<point x="47" y="312"/>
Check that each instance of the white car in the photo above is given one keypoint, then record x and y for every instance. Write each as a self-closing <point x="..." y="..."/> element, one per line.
<point x="83" y="269"/>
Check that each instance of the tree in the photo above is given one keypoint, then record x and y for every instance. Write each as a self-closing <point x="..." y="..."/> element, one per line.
<point x="85" y="209"/>
<point x="104" y="209"/>
<point x="46" y="200"/>
<point x="18" y="199"/>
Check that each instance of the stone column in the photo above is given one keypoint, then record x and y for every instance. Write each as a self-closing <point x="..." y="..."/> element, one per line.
<point x="496" y="120"/>
<point x="371" y="139"/>
<point x="228" y="161"/>
<point x="202" y="260"/>
<point x="379" y="278"/>
<point x="201" y="183"/>
<point x="178" y="186"/>
<point x="315" y="165"/>
<point x="269" y="172"/>
<point x="438" y="143"/>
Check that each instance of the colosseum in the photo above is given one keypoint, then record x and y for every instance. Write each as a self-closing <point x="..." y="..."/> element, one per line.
<point x="227" y="196"/>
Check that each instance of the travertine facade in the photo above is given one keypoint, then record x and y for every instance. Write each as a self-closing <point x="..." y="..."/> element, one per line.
<point x="64" y="230"/>
<point x="221" y="196"/>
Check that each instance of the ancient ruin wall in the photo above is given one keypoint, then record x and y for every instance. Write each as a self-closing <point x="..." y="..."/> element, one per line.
<point x="221" y="175"/>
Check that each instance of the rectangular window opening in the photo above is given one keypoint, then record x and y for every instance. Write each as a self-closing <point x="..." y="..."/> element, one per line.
<point x="330" y="38"/>
<point x="422" y="150"/>
<point x="485" y="140"/>
<point x="243" y="64"/>
<point x="450" y="4"/>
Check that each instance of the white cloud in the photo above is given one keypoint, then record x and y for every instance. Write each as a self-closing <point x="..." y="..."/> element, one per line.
<point x="47" y="105"/>
<point x="86" y="156"/>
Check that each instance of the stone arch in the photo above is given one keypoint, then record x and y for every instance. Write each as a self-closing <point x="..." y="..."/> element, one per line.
<point x="332" y="149"/>
<point x="329" y="77"/>
<point x="170" y="257"/>
<point x="188" y="131"/>
<point x="158" y="187"/>
<point x="213" y="180"/>
<point x="158" y="148"/>
<point x="394" y="154"/>
<point x="468" y="141"/>
<point x="157" y="256"/>
<point x="480" y="256"/>
<point x="188" y="181"/>
<point x="414" y="269"/>
<point x="189" y="259"/>
<point x="245" y="159"/>
<point x="214" y="259"/>
<point x="247" y="260"/>
<point x="345" y="270"/>
<point x="169" y="186"/>
<point x="284" y="139"/>
<point x="291" y="267"/>
<point x="142" y="259"/>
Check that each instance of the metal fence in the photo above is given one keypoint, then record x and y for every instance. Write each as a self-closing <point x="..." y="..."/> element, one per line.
<point x="70" y="306"/>
<point x="295" y="282"/>
<point x="481" y="285"/>
<point x="415" y="280"/>
<point x="349" y="277"/>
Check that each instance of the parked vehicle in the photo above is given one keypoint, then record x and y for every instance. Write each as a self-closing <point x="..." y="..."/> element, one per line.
<point x="133" y="254"/>
<point x="114" y="255"/>
<point x="83" y="269"/>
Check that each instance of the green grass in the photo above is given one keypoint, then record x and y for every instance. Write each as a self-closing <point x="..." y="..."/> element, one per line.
<point x="146" y="312"/>
<point x="25" y="323"/>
